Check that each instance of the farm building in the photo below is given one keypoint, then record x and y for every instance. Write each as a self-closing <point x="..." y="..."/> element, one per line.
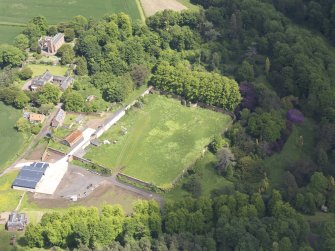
<point x="47" y="77"/>
<point x="73" y="138"/>
<point x="16" y="222"/>
<point x="35" y="118"/>
<point x="63" y="82"/>
<point x="51" y="44"/>
<point x="30" y="176"/>
<point x="40" y="81"/>
<point x="58" y="119"/>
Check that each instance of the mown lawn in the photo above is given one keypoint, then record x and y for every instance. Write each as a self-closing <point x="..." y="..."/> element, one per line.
<point x="21" y="11"/>
<point x="292" y="151"/>
<point x="39" y="69"/>
<point x="11" y="141"/>
<point x="163" y="139"/>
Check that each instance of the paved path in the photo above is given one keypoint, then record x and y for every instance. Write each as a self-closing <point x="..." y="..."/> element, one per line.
<point x="37" y="138"/>
<point x="20" y="201"/>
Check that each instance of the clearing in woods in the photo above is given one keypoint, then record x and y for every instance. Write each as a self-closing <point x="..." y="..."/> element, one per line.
<point x="157" y="142"/>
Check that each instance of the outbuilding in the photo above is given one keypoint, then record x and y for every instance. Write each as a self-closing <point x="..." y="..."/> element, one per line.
<point x="58" y="120"/>
<point x="36" y="118"/>
<point x="29" y="176"/>
<point x="16" y="221"/>
<point x="73" y="138"/>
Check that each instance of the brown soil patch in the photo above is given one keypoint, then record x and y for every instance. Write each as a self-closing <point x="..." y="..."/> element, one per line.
<point x="150" y="7"/>
<point x="104" y="194"/>
<point x="95" y="122"/>
<point x="38" y="151"/>
<point x="52" y="157"/>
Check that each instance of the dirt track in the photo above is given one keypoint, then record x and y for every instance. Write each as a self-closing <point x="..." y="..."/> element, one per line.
<point x="150" y="7"/>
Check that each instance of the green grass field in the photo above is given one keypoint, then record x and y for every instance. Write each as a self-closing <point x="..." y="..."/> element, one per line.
<point x="291" y="152"/>
<point x="8" y="33"/>
<point x="21" y="11"/>
<point x="8" y="198"/>
<point x="210" y="180"/>
<point x="163" y="138"/>
<point x="39" y="69"/>
<point x="11" y="141"/>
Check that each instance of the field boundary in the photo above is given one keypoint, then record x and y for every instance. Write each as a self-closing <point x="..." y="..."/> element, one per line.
<point x="190" y="167"/>
<point x="141" y="10"/>
<point x="93" y="167"/>
<point x="55" y="151"/>
<point x="12" y="24"/>
<point x="129" y="180"/>
<point x="96" y="114"/>
<point x="197" y="104"/>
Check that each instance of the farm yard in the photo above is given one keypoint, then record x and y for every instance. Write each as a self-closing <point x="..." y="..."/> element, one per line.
<point x="11" y="140"/>
<point x="156" y="143"/>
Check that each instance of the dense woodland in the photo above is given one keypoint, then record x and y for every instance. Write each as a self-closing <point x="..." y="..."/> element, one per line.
<point x="237" y="221"/>
<point x="270" y="62"/>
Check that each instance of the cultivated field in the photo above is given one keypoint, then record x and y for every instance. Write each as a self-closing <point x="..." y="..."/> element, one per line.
<point x="163" y="138"/>
<point x="20" y="11"/>
<point x="150" y="7"/>
<point x="8" y="33"/>
<point x="11" y="140"/>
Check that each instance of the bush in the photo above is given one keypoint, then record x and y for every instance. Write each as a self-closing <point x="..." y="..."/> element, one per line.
<point x="25" y="73"/>
<point x="217" y="144"/>
<point x="22" y="125"/>
<point x="69" y="34"/>
<point x="193" y="185"/>
<point x="35" y="129"/>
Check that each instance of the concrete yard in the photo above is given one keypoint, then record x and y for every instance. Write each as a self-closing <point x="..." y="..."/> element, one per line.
<point x="53" y="176"/>
<point x="91" y="190"/>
